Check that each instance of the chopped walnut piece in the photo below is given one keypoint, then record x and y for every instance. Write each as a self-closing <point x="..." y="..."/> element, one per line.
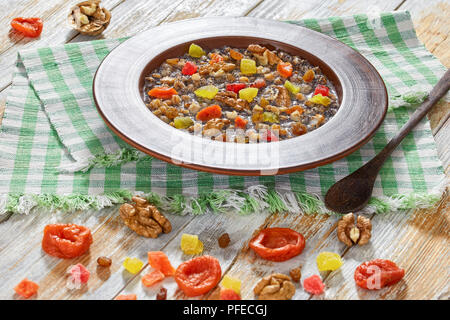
<point x="256" y="48"/>
<point x="283" y="99"/>
<point x="350" y="234"/>
<point x="276" y="286"/>
<point x="144" y="218"/>
<point x="272" y="57"/>
<point x="227" y="97"/>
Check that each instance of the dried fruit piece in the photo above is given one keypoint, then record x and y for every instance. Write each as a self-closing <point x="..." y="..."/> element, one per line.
<point x="270" y="117"/>
<point x="248" y="66"/>
<point x="292" y="88"/>
<point x="26" y="288"/>
<point x="189" y="68"/>
<point x="378" y="273"/>
<point x="162" y="92"/>
<point x="144" y="218"/>
<point x="133" y="265"/>
<point x="152" y="278"/>
<point x="321" y="89"/>
<point x="314" y="285"/>
<point x="235" y="87"/>
<point x="182" y="122"/>
<point x="276" y="286"/>
<point x="207" y="92"/>
<point x="236" y="55"/>
<point x="240" y="123"/>
<point x="224" y="240"/>
<point x="320" y="99"/>
<point x="278" y="244"/>
<point x="162" y="294"/>
<point x="29" y="27"/>
<point x="104" y="261"/>
<point x="196" y="51"/>
<point x="126" y="297"/>
<point x="229" y="294"/>
<point x="66" y="240"/>
<point x="296" y="274"/>
<point x="79" y="275"/>
<point x="208" y="113"/>
<point x="190" y="244"/>
<point x="231" y="283"/>
<point x="285" y="69"/>
<point x="328" y="261"/>
<point x="248" y="94"/>
<point x="309" y="75"/>
<point x="198" y="276"/>
<point x="159" y="261"/>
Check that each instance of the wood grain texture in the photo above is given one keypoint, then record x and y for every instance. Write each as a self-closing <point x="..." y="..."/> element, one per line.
<point x="423" y="236"/>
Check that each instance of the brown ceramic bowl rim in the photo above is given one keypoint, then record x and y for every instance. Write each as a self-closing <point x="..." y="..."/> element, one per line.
<point x="194" y="30"/>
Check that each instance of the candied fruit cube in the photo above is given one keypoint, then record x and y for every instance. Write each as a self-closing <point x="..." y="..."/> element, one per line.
<point x="207" y="92"/>
<point x="248" y="94"/>
<point x="190" y="244"/>
<point x="314" y="285"/>
<point x="320" y="99"/>
<point x="248" y="66"/>
<point x="182" y="122"/>
<point x="292" y="88"/>
<point x="231" y="283"/>
<point x="196" y="51"/>
<point x="78" y="275"/>
<point x="26" y="288"/>
<point x="133" y="265"/>
<point x="328" y="261"/>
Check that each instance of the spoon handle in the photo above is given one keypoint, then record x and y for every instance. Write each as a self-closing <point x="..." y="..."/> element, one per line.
<point x="439" y="90"/>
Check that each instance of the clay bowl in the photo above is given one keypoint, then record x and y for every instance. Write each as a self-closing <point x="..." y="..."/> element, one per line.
<point x="118" y="94"/>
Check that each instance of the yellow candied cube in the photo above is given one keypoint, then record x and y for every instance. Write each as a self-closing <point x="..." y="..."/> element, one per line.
<point x="320" y="99"/>
<point x="133" y="265"/>
<point x="248" y="94"/>
<point x="231" y="283"/>
<point x="328" y="261"/>
<point x="196" y="51"/>
<point x="190" y="244"/>
<point x="248" y="66"/>
<point x="208" y="92"/>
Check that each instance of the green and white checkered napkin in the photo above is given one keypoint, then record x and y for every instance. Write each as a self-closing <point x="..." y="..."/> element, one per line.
<point x="56" y="152"/>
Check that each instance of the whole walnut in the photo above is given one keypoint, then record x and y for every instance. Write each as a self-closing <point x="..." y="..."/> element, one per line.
<point x="144" y="218"/>
<point x="350" y="234"/>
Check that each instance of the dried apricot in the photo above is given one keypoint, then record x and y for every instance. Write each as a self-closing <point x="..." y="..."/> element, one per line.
<point x="26" y="288"/>
<point x="66" y="240"/>
<point x="377" y="274"/>
<point x="152" y="278"/>
<point x="198" y="276"/>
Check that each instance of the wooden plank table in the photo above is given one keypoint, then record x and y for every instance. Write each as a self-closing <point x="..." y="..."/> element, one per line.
<point x="418" y="241"/>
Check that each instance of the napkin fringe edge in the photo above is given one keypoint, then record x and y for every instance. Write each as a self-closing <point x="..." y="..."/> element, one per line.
<point x="258" y="198"/>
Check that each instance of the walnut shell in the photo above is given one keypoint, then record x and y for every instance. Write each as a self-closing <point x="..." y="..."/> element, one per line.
<point x="98" y="20"/>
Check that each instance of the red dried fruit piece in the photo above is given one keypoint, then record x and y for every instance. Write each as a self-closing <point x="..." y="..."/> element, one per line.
<point x="285" y="69"/>
<point x="198" y="276"/>
<point x="259" y="83"/>
<point x="131" y="296"/>
<point x="26" y="288"/>
<point x="378" y="273"/>
<point x="321" y="89"/>
<point x="66" y="241"/>
<point x="189" y="69"/>
<point x="229" y="294"/>
<point x="152" y="278"/>
<point x="30" y="27"/>
<point x="235" y="87"/>
<point x="314" y="285"/>
<point x="79" y="273"/>
<point x="278" y="244"/>
<point x="240" y="123"/>
<point x="159" y="261"/>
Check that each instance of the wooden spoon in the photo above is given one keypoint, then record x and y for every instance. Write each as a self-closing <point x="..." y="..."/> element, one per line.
<point x="353" y="192"/>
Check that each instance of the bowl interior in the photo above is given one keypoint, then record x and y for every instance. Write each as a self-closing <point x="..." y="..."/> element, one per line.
<point x="240" y="42"/>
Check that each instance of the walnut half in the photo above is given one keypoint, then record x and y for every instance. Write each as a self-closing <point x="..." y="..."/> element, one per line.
<point x="89" y="18"/>
<point x="276" y="286"/>
<point x="350" y="234"/>
<point x="144" y="218"/>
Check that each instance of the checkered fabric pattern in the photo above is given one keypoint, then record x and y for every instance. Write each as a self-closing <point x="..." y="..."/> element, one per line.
<point x="51" y="123"/>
